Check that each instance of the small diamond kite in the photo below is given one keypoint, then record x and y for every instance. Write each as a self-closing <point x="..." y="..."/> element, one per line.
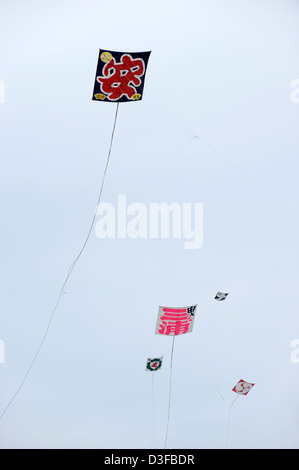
<point x="154" y="364"/>
<point x="221" y="296"/>
<point x="242" y="387"/>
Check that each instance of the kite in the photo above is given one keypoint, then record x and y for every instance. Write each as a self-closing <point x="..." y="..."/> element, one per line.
<point x="242" y="387"/>
<point x="120" y="76"/>
<point x="154" y="364"/>
<point x="221" y="296"/>
<point x="175" y="321"/>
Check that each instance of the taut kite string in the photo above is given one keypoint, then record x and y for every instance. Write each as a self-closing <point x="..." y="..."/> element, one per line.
<point x="71" y="268"/>
<point x="169" y="398"/>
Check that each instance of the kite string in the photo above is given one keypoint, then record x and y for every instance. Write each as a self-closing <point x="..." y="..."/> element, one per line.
<point x="154" y="415"/>
<point x="99" y="198"/>
<point x="169" y="399"/>
<point x="70" y="270"/>
<point x="209" y="326"/>
<point x="202" y="341"/>
<point x="228" y="422"/>
<point x="260" y="186"/>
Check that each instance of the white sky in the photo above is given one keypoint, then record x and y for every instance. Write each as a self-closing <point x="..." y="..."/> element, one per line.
<point x="220" y="70"/>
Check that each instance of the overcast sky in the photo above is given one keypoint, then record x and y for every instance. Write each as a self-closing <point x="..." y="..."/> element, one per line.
<point x="216" y="126"/>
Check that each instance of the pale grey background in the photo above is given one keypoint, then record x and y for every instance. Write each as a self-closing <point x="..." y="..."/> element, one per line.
<point x="221" y="70"/>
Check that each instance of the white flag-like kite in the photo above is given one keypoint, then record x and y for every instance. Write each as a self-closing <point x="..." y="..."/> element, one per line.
<point x="221" y="295"/>
<point x="175" y="320"/>
<point x="242" y="387"/>
<point x="153" y="364"/>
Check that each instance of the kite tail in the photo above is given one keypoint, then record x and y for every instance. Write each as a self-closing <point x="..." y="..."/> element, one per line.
<point x="70" y="270"/>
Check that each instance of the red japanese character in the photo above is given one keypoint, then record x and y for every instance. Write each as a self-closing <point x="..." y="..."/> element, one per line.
<point x="119" y="78"/>
<point x="174" y="321"/>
